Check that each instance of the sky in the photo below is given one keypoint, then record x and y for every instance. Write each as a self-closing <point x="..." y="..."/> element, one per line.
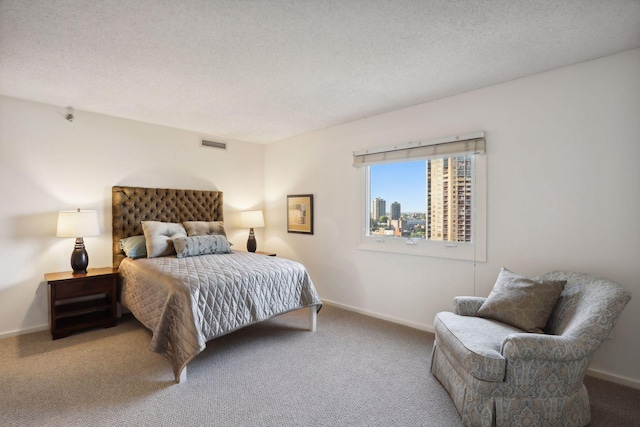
<point x="404" y="182"/>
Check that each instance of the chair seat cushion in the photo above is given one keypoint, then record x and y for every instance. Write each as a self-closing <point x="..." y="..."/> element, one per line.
<point x="474" y="343"/>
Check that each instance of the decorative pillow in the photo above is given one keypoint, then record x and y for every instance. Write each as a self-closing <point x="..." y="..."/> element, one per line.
<point x="134" y="246"/>
<point x="201" y="245"/>
<point x="521" y="302"/>
<point x="204" y="228"/>
<point x="159" y="237"/>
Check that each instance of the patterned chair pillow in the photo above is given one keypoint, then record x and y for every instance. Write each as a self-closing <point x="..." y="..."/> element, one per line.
<point x="201" y="245"/>
<point x="522" y="302"/>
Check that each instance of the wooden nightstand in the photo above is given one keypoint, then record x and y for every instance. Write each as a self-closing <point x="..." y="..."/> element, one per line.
<point x="80" y="301"/>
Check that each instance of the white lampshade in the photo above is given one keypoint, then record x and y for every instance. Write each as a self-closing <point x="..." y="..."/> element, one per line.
<point x="251" y="219"/>
<point x="78" y="223"/>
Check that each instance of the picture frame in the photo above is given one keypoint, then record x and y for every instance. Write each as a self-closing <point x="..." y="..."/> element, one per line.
<point x="300" y="213"/>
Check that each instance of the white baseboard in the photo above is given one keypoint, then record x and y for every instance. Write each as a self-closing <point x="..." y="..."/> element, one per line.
<point x="429" y="328"/>
<point x="24" y="331"/>
<point x="613" y="378"/>
<point x="415" y="325"/>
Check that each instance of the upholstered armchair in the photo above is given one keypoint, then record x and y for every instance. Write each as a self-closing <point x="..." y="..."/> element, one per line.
<point x="498" y="374"/>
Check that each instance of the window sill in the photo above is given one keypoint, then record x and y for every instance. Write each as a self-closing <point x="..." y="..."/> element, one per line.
<point x="449" y="250"/>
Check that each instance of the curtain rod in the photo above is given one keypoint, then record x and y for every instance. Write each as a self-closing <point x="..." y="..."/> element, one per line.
<point x="443" y="140"/>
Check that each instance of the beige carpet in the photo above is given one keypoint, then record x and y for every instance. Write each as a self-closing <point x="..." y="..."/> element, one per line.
<point x="354" y="371"/>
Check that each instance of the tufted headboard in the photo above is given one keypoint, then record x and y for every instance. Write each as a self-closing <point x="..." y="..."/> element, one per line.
<point x="132" y="205"/>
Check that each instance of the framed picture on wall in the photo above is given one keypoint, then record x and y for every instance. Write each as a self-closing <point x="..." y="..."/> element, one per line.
<point x="300" y="213"/>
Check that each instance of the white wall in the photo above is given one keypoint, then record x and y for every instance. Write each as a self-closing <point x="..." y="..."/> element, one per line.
<point x="48" y="164"/>
<point x="563" y="193"/>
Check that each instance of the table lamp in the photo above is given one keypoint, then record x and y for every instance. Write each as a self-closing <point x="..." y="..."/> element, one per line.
<point x="251" y="220"/>
<point x="78" y="224"/>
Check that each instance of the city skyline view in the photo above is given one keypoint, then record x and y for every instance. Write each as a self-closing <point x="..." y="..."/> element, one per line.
<point x="429" y="199"/>
<point x="401" y="182"/>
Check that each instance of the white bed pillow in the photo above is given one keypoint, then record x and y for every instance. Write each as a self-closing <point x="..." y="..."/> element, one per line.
<point x="159" y="237"/>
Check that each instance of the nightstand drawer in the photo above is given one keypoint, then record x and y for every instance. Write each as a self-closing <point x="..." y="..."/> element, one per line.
<point x="84" y="287"/>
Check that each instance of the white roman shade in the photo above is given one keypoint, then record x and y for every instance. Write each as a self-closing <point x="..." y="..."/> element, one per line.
<point x="459" y="145"/>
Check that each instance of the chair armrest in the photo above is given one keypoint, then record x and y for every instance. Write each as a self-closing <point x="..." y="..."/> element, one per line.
<point x="546" y="363"/>
<point x="467" y="306"/>
<point x="544" y="347"/>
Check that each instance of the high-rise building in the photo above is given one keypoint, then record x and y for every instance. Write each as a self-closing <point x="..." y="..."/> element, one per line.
<point x="395" y="210"/>
<point x="378" y="208"/>
<point x="449" y="199"/>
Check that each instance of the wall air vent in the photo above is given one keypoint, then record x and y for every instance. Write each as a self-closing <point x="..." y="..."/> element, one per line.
<point x="213" y="144"/>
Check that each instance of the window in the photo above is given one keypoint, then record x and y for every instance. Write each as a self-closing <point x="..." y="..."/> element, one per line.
<point x="426" y="198"/>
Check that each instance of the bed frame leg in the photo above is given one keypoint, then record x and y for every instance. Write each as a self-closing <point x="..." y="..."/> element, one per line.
<point x="183" y="376"/>
<point x="313" y="316"/>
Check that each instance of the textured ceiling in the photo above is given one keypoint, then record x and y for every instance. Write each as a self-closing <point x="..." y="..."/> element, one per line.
<point x="263" y="70"/>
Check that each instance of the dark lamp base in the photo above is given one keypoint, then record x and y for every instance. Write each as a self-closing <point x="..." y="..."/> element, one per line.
<point x="251" y="243"/>
<point x="79" y="257"/>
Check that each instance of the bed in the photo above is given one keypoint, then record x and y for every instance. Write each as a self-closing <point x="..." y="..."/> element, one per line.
<point x="203" y="289"/>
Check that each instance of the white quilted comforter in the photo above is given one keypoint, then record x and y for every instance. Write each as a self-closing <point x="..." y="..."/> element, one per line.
<point x="186" y="302"/>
